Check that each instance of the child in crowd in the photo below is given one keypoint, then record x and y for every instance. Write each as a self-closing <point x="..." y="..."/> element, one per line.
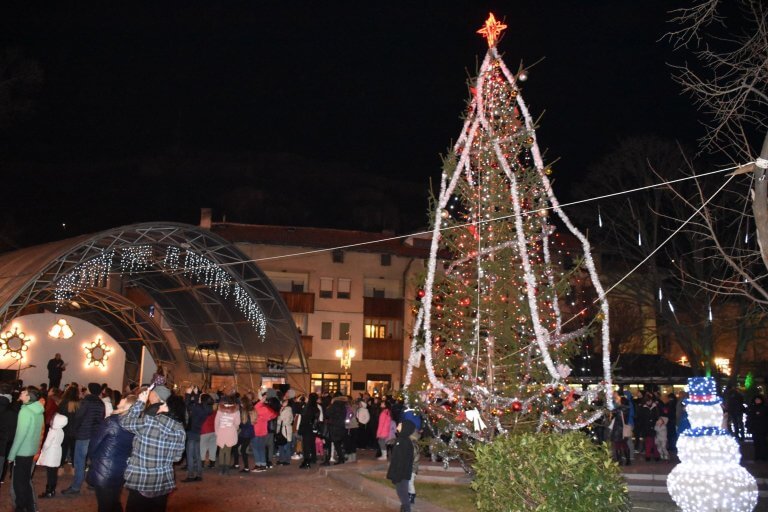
<point x="401" y="463"/>
<point x="661" y="437"/>
<point x="50" y="455"/>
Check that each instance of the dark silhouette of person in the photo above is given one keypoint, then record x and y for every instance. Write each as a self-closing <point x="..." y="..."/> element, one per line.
<point x="56" y="368"/>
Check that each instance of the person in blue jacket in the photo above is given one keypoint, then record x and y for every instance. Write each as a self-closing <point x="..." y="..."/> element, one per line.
<point x="109" y="450"/>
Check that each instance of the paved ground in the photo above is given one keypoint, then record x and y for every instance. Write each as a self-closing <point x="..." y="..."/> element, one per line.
<point x="320" y="489"/>
<point x="284" y="488"/>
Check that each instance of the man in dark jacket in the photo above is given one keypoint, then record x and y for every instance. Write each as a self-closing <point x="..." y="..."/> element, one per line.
<point x="337" y="414"/>
<point x="7" y="424"/>
<point x="198" y="409"/>
<point x="86" y="423"/>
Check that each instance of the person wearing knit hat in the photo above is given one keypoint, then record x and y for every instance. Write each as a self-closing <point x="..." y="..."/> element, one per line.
<point x="162" y="393"/>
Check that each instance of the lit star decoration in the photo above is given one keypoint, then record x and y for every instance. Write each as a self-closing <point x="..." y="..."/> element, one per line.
<point x="97" y="353"/>
<point x="14" y="343"/>
<point x="709" y="477"/>
<point x="497" y="323"/>
<point x="492" y="30"/>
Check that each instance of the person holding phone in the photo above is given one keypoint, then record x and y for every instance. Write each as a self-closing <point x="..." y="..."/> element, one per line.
<point x="158" y="443"/>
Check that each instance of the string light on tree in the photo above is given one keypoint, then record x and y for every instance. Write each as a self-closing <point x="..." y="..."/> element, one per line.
<point x="490" y="328"/>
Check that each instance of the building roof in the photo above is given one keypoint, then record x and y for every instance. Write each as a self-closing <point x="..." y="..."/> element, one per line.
<point x="415" y="246"/>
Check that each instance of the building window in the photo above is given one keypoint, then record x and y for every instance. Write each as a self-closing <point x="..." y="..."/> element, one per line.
<point x="326" y="330"/>
<point x="326" y="287"/>
<point x="386" y="260"/>
<point x="379" y="294"/>
<point x="337" y="255"/>
<point x="343" y="331"/>
<point x="345" y="289"/>
<point x="382" y="328"/>
<point x="331" y="383"/>
<point x="297" y="287"/>
<point x="300" y="319"/>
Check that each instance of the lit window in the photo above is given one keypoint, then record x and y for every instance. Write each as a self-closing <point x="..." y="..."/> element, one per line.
<point x="375" y="331"/>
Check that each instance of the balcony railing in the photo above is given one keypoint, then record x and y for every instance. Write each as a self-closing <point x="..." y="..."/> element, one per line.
<point x="299" y="302"/>
<point x="383" y="308"/>
<point x="386" y="349"/>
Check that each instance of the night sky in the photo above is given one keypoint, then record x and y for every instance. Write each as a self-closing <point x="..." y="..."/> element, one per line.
<point x="305" y="113"/>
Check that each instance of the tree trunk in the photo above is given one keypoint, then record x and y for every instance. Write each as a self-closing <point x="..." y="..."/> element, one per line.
<point x="760" y="204"/>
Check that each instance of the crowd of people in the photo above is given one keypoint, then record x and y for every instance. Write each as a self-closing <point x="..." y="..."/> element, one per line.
<point x="133" y="441"/>
<point x="648" y="424"/>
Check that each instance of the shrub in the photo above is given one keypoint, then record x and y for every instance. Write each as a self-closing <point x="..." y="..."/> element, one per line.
<point x="548" y="472"/>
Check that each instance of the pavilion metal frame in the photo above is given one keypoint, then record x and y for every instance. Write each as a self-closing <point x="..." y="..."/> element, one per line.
<point x="195" y="312"/>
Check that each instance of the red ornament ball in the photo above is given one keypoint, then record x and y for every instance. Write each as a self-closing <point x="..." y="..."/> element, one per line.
<point x="517" y="406"/>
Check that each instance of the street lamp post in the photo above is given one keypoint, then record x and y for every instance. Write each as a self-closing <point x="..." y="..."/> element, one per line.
<point x="345" y="355"/>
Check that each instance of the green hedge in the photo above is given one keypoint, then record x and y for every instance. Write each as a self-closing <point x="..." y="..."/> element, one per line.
<point x="546" y="472"/>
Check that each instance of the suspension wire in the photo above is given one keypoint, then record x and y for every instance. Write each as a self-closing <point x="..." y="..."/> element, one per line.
<point x="457" y="226"/>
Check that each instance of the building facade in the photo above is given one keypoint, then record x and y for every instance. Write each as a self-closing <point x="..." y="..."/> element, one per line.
<point x="353" y="306"/>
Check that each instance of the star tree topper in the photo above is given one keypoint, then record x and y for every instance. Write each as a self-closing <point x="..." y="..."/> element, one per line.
<point x="491" y="30"/>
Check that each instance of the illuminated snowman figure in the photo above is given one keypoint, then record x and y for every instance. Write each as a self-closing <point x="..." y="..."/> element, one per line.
<point x="709" y="477"/>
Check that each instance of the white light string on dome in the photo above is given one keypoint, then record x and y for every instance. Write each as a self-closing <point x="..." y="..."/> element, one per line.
<point x="137" y="259"/>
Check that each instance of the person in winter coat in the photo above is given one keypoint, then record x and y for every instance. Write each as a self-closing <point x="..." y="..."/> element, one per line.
<point x="311" y="414"/>
<point x="285" y="427"/>
<point x="363" y="416"/>
<point x="620" y="417"/>
<point x="226" y="423"/>
<point x="649" y="415"/>
<point x="26" y="443"/>
<point x="199" y="409"/>
<point x="109" y="451"/>
<point x="50" y="455"/>
<point x="158" y="443"/>
<point x="8" y="416"/>
<point x="86" y="422"/>
<point x="757" y="424"/>
<point x="401" y="463"/>
<point x="244" y="435"/>
<point x="384" y="429"/>
<point x="661" y="437"/>
<point x="258" y="444"/>
<point x="70" y="403"/>
<point x="336" y="416"/>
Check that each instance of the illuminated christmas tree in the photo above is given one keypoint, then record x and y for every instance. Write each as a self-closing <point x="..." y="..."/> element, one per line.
<point x="492" y="327"/>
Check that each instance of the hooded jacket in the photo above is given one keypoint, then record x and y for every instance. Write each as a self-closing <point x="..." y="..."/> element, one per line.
<point x="109" y="450"/>
<point x="50" y="455"/>
<point x="29" y="427"/>
<point x="401" y="463"/>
